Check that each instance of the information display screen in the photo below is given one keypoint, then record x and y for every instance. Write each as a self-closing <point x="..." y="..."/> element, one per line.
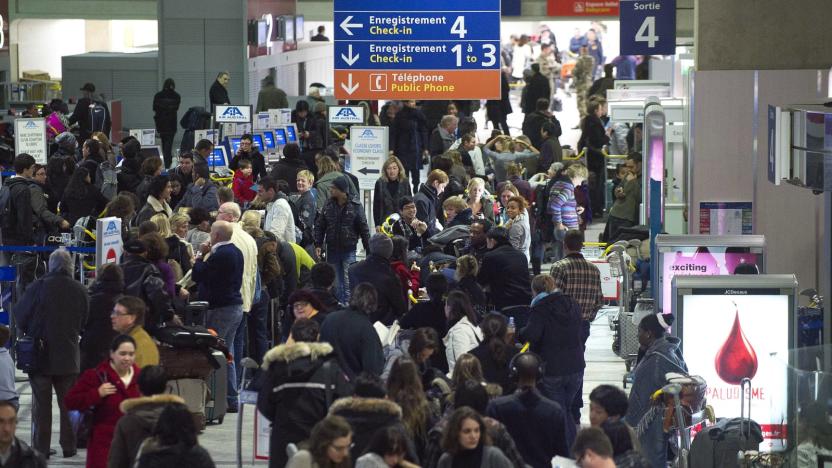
<point x="257" y="139"/>
<point x="291" y="134"/>
<point x="235" y="144"/>
<point x="280" y="136"/>
<point x="268" y="139"/>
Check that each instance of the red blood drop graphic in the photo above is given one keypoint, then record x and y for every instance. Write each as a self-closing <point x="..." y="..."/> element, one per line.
<point x="111" y="256"/>
<point x="736" y="358"/>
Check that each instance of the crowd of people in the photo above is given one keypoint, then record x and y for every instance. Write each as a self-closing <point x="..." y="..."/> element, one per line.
<point x="446" y="270"/>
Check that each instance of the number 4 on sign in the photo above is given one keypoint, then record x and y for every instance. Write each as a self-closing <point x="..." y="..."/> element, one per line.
<point x="647" y="32"/>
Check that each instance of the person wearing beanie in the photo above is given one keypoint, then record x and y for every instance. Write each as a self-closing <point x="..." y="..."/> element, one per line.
<point x="376" y="270"/>
<point x="60" y="168"/>
<point x="288" y="167"/>
<point x="337" y="230"/>
<point x="91" y="113"/>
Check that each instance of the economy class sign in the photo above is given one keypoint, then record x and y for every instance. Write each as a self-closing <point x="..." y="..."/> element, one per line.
<point x="427" y="50"/>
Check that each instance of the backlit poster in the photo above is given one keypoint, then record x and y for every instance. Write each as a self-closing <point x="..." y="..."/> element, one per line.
<point x="731" y="334"/>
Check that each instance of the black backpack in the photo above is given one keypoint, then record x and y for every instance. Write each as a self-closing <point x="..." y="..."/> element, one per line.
<point x="7" y="215"/>
<point x="541" y="216"/>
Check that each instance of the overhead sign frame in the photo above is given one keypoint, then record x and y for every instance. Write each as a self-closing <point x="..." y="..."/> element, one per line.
<point x="433" y="49"/>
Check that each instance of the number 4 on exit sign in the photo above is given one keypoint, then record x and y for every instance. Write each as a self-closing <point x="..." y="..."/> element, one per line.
<point x="648" y="27"/>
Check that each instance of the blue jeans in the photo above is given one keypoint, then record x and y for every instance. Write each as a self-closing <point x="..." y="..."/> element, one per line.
<point x="563" y="389"/>
<point x="258" y="328"/>
<point x="226" y="322"/>
<point x="341" y="261"/>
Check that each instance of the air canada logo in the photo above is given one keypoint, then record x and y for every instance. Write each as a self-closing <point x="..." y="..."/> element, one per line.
<point x="233" y="112"/>
<point x="346" y="113"/>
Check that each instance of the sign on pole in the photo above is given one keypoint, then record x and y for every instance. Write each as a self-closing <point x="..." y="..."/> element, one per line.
<point x="430" y="49"/>
<point x="232" y="114"/>
<point x="108" y="243"/>
<point x="146" y="136"/>
<point x="648" y="27"/>
<point x="346" y="115"/>
<point x="369" y="151"/>
<point x="30" y="138"/>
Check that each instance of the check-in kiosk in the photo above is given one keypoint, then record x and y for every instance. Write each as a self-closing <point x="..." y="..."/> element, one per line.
<point x="218" y="160"/>
<point x="291" y="133"/>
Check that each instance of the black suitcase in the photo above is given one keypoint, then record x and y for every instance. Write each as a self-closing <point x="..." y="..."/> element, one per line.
<point x="196" y="313"/>
<point x="217" y="403"/>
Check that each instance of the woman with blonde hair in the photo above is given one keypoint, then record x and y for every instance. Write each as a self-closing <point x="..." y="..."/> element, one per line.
<point x="251" y="219"/>
<point x="481" y="204"/>
<point x="390" y="189"/>
<point x="178" y="250"/>
<point x="507" y="190"/>
<point x="519" y="230"/>
<point x="457" y="212"/>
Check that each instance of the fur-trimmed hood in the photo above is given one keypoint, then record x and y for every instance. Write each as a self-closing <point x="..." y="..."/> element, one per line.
<point x="133" y="404"/>
<point x="365" y="405"/>
<point x="291" y="352"/>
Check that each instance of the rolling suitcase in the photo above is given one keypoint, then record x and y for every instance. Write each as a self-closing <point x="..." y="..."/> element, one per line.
<point x="196" y="313"/>
<point x="193" y="391"/>
<point x="217" y="403"/>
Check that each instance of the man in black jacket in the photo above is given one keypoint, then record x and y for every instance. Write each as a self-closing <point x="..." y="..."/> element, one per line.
<point x="144" y="280"/>
<point x="554" y="332"/>
<point x="54" y="308"/>
<point x="538" y="425"/>
<point x="375" y="269"/>
<point x="505" y="271"/>
<point x="218" y="94"/>
<point x="352" y="335"/>
<point x="288" y="167"/>
<point x="409" y="139"/>
<point x="302" y="379"/>
<point x="18" y="226"/>
<point x="87" y="114"/>
<point x="533" y="122"/>
<point x="427" y="199"/>
<point x="338" y="227"/>
<point x="166" y="105"/>
<point x="536" y="88"/>
<point x="249" y="151"/>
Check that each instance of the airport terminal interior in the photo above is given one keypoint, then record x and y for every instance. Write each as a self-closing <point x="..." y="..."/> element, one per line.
<point x="439" y="234"/>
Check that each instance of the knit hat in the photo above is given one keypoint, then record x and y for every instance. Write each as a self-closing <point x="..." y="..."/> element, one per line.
<point x="66" y="141"/>
<point x="341" y="184"/>
<point x="381" y="245"/>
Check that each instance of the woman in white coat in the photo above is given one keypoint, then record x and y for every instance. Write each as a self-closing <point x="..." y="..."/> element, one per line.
<point x="519" y="231"/>
<point x="464" y="334"/>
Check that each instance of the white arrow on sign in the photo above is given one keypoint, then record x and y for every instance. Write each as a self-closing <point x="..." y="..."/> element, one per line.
<point x="346" y="25"/>
<point x="352" y="58"/>
<point x="349" y="87"/>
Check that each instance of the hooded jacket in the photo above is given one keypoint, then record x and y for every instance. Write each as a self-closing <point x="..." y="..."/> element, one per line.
<point x="23" y="220"/>
<point x="366" y="417"/>
<point x="140" y="416"/>
<point x="301" y="381"/>
<point x="426" y="200"/>
<point x="554" y="332"/>
<point x="156" y="455"/>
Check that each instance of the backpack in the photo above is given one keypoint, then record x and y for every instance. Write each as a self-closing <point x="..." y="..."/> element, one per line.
<point x="98" y="116"/>
<point x="541" y="216"/>
<point x="7" y="214"/>
<point x="300" y="227"/>
<point x="108" y="178"/>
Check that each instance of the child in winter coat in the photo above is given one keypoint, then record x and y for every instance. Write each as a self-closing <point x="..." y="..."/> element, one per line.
<point x="243" y="185"/>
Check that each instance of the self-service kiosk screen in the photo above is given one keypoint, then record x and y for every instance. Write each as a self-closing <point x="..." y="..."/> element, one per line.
<point x="268" y="139"/>
<point x="280" y="136"/>
<point x="257" y="139"/>
<point x="217" y="158"/>
<point x="235" y="144"/>
<point x="291" y="134"/>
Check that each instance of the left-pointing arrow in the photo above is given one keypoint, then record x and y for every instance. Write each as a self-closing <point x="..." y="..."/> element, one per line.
<point x="349" y="87"/>
<point x="351" y="59"/>
<point x="347" y="26"/>
<point x="366" y="170"/>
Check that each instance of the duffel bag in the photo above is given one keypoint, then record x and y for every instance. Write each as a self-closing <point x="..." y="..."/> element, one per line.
<point x="187" y="336"/>
<point x="186" y="363"/>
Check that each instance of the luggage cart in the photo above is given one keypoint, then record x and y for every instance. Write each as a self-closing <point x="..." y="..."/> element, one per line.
<point x="247" y="397"/>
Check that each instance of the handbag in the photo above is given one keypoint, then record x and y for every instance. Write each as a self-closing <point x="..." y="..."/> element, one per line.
<point x="82" y="420"/>
<point x="31" y="353"/>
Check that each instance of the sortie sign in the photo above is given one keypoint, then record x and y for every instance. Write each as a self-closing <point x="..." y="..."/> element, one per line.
<point x="431" y="49"/>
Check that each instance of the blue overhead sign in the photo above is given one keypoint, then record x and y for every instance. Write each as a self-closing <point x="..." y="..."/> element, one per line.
<point x="648" y="27"/>
<point x="450" y="49"/>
